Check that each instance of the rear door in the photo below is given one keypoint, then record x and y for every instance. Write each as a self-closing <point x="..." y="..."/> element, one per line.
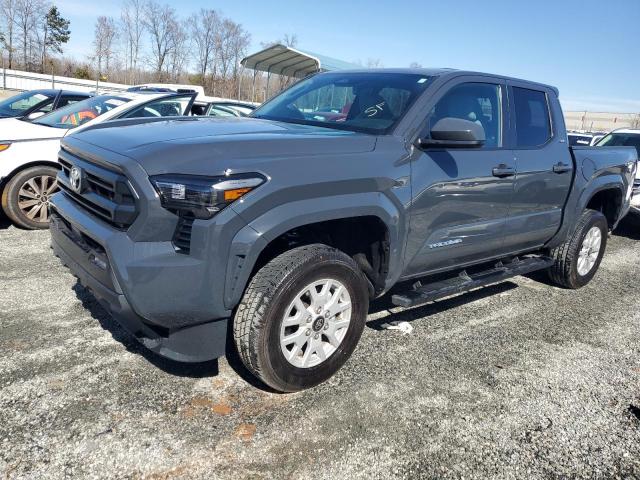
<point x="544" y="167"/>
<point x="461" y="196"/>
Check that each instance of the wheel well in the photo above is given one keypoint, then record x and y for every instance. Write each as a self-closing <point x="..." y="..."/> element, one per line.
<point x="608" y="202"/>
<point x="39" y="163"/>
<point x="365" y="239"/>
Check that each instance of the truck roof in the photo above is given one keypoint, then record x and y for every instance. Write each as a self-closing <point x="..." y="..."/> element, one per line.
<point x="445" y="72"/>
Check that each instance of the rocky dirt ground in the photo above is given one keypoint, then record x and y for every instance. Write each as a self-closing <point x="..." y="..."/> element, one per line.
<point x="518" y="380"/>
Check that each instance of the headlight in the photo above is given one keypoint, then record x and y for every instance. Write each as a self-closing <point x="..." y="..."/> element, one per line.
<point x="4" y="146"/>
<point x="202" y="197"/>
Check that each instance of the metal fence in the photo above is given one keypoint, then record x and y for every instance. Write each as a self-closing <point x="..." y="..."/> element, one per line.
<point x="19" y="80"/>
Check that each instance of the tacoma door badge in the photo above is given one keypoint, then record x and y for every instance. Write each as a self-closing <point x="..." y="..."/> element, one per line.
<point x="446" y="243"/>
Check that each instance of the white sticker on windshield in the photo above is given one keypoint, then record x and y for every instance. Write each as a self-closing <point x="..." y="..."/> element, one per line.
<point x="115" y="102"/>
<point x="422" y="80"/>
<point x="40" y="97"/>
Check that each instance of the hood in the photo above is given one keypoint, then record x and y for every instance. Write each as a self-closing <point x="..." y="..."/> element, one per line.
<point x="189" y="145"/>
<point x="16" y="130"/>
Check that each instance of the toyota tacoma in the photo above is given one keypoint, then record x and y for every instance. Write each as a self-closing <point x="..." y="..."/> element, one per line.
<point x="281" y="227"/>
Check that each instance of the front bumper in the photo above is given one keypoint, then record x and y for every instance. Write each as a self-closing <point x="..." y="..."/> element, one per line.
<point x="143" y="285"/>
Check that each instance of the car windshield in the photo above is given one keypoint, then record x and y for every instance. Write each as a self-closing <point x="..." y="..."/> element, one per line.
<point x="18" y="104"/>
<point x="361" y="102"/>
<point x="621" y="140"/>
<point x="79" y="113"/>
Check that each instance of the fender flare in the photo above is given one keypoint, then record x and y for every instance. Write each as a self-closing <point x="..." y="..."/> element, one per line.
<point x="250" y="241"/>
<point x="24" y="166"/>
<point x="597" y="185"/>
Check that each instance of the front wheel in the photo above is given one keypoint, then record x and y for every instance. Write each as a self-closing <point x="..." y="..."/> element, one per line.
<point x="25" y="199"/>
<point x="578" y="258"/>
<point x="301" y="317"/>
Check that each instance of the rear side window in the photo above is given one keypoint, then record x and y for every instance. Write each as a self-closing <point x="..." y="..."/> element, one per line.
<point x="533" y="126"/>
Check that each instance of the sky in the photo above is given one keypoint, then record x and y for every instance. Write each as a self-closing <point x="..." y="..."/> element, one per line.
<point x="586" y="48"/>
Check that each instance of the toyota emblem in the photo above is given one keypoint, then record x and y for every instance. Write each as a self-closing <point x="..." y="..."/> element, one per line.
<point x="75" y="179"/>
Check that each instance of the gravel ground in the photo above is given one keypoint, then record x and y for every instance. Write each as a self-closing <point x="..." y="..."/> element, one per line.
<point x="519" y="380"/>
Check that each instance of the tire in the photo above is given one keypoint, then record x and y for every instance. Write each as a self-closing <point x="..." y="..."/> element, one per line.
<point x="568" y="271"/>
<point x="259" y="328"/>
<point x="35" y="184"/>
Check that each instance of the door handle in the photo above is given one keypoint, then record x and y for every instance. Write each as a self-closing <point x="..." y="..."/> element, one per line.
<point x="502" y="171"/>
<point x="561" y="168"/>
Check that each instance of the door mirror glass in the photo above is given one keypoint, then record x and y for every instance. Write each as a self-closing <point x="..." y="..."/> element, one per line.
<point x="455" y="132"/>
<point x="34" y="115"/>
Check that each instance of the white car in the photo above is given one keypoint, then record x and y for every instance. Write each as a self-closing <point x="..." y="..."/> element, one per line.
<point x="29" y="150"/>
<point x="631" y="138"/>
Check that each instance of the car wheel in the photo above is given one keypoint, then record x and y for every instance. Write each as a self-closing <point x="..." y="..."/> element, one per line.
<point x="578" y="258"/>
<point x="301" y="317"/>
<point x="25" y="199"/>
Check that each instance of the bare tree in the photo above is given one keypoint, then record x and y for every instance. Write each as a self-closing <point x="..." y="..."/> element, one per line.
<point x="178" y="54"/>
<point x="132" y="29"/>
<point x="161" y="23"/>
<point x="205" y="27"/>
<point x="374" y="63"/>
<point x="415" y="65"/>
<point x="103" y="43"/>
<point x="27" y="18"/>
<point x="8" y="10"/>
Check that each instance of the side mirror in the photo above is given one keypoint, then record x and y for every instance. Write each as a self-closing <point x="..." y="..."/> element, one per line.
<point x="34" y="115"/>
<point x="454" y="133"/>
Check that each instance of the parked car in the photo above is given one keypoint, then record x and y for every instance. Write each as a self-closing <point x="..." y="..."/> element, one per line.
<point x="217" y="106"/>
<point x="29" y="151"/>
<point x="629" y="137"/>
<point x="576" y="138"/>
<point x="282" y="227"/>
<point x="166" y="88"/>
<point x="242" y="108"/>
<point x="36" y="103"/>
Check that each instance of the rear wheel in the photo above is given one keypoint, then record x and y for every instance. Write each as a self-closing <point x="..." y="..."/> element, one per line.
<point x="25" y="199"/>
<point x="301" y="317"/>
<point x="578" y="258"/>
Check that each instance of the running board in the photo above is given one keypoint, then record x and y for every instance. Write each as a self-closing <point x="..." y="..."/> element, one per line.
<point x="465" y="282"/>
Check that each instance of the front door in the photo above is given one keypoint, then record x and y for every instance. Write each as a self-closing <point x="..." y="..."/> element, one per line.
<point x="461" y="196"/>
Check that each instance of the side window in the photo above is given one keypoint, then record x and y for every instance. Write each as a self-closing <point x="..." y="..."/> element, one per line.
<point x="163" y="107"/>
<point x="476" y="102"/>
<point x="533" y="126"/>
<point x="69" y="99"/>
<point x="45" y="107"/>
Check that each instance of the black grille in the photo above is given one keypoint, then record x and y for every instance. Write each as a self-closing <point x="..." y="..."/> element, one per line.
<point x="182" y="236"/>
<point x="106" y="192"/>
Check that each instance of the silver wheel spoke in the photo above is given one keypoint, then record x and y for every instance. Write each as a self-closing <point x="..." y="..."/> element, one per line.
<point x="44" y="213"/>
<point x="27" y="203"/>
<point x="315" y="323"/>
<point x="333" y="340"/>
<point x="589" y="251"/>
<point x="44" y="183"/>
<point x="34" y="210"/>
<point x="26" y="193"/>
<point x="53" y="188"/>
<point x="32" y="183"/>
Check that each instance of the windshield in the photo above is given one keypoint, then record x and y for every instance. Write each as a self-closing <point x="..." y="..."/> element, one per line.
<point x="79" y="113"/>
<point x="361" y="102"/>
<point x="621" y="140"/>
<point x="16" y="105"/>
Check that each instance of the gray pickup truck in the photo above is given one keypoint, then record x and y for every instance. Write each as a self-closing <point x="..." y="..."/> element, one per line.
<point x="275" y="231"/>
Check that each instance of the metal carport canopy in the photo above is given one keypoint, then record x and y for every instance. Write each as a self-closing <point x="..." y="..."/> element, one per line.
<point x="292" y="62"/>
